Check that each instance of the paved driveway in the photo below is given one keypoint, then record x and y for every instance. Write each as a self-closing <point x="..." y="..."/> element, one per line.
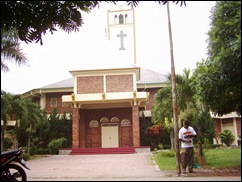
<point x="105" y="167"/>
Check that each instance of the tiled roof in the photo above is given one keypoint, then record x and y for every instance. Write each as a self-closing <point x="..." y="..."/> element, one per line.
<point x="146" y="77"/>
<point x="149" y="76"/>
<point x="61" y="84"/>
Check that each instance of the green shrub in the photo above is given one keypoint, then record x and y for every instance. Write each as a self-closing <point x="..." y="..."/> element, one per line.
<point x="26" y="156"/>
<point x="160" y="146"/>
<point x="168" y="153"/>
<point x="227" y="137"/>
<point x="7" y="143"/>
<point x="167" y="146"/>
<point x="42" y="151"/>
<point x="55" y="144"/>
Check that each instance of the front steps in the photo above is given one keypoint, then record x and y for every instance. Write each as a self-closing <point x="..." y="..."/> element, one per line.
<point x="89" y="151"/>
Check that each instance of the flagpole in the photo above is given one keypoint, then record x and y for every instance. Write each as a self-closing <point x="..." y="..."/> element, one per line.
<point x="174" y="97"/>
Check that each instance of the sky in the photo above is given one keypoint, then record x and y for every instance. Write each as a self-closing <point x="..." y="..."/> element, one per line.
<point x="62" y="52"/>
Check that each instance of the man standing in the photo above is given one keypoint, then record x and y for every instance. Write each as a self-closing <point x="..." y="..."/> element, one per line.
<point x="186" y="134"/>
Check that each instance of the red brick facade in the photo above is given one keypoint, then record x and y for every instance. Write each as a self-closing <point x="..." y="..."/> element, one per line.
<point x="90" y="137"/>
<point x="119" y="83"/>
<point x="84" y="86"/>
<point x="61" y="107"/>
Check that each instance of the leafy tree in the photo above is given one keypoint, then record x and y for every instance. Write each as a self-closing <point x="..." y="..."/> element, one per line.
<point x="32" y="19"/>
<point x="56" y="126"/>
<point x="10" y="49"/>
<point x="219" y="77"/>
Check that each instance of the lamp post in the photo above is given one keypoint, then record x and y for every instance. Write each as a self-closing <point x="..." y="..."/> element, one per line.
<point x="174" y="97"/>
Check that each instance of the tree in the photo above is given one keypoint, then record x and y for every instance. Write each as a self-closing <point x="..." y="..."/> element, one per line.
<point x="162" y="111"/>
<point x="26" y="113"/>
<point x="32" y="19"/>
<point x="219" y="77"/>
<point x="10" y="49"/>
<point x="6" y="100"/>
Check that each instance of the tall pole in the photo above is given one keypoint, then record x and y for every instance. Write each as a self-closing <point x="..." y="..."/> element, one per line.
<point x="174" y="97"/>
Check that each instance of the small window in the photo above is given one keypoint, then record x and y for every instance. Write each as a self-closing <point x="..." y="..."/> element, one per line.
<point x="104" y="119"/>
<point x="53" y="102"/>
<point x="114" y="119"/>
<point x="93" y="123"/>
<point x="115" y="19"/>
<point x="121" y="19"/>
<point x="125" y="122"/>
<point x="126" y="18"/>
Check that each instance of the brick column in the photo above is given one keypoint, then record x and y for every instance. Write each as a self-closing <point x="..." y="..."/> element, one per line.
<point x="135" y="125"/>
<point x="82" y="129"/>
<point x="75" y="128"/>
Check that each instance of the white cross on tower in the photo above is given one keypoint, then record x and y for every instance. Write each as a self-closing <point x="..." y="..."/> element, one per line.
<point x="121" y="35"/>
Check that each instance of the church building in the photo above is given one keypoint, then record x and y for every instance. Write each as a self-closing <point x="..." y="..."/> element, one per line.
<point x="107" y="104"/>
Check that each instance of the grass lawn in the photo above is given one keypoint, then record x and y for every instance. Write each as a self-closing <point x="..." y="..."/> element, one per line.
<point x="215" y="158"/>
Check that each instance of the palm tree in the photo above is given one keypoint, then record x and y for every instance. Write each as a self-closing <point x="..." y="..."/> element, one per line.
<point x="24" y="111"/>
<point x="162" y="112"/>
<point x="6" y="102"/>
<point x="10" y="49"/>
<point x="30" y="116"/>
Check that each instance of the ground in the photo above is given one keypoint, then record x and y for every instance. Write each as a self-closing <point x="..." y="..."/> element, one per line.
<point x="230" y="171"/>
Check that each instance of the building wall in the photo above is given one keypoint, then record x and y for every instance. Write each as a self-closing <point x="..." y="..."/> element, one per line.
<point x="238" y="125"/>
<point x="152" y="92"/>
<point x="90" y="84"/>
<point x="61" y="107"/>
<point x="222" y="124"/>
<point x="93" y="134"/>
<point x="119" y="83"/>
<point x="218" y="130"/>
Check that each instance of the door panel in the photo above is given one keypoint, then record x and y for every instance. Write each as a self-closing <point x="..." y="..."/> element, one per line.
<point x="110" y="135"/>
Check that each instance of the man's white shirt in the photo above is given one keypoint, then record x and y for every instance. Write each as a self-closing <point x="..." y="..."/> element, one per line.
<point x="184" y="132"/>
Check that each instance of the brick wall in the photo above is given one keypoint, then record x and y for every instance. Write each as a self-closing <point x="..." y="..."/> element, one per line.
<point x="119" y="83"/>
<point x="238" y="123"/>
<point x="61" y="108"/>
<point x="93" y="134"/>
<point x="135" y="126"/>
<point x="90" y="84"/>
<point x="152" y="92"/>
<point x="75" y="128"/>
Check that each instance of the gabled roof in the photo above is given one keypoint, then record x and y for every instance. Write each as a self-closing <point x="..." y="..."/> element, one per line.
<point x="61" y="84"/>
<point x="148" y="79"/>
<point x="150" y="76"/>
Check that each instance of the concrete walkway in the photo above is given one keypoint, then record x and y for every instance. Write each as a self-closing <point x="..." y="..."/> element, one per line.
<point x="105" y="167"/>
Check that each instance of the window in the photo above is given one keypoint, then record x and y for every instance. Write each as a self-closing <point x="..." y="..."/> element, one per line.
<point x="53" y="102"/>
<point x="93" y="123"/>
<point x="115" y="19"/>
<point x="121" y="19"/>
<point x="126" y="18"/>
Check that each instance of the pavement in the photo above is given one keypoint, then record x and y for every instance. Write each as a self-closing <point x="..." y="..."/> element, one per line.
<point x="107" y="167"/>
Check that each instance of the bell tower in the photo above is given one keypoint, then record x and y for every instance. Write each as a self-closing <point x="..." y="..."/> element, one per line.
<point x="121" y="33"/>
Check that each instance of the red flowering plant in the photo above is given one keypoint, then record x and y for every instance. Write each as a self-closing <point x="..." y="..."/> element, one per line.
<point x="155" y="132"/>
